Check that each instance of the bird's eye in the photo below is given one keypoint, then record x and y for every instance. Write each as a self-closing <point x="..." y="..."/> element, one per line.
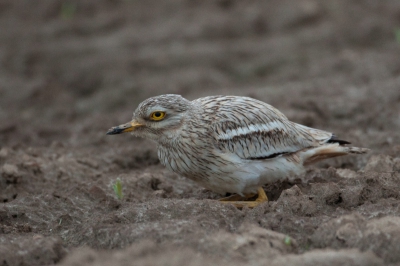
<point x="157" y="115"/>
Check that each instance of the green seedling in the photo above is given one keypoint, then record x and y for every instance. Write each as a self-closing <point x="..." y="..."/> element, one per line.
<point x="68" y="10"/>
<point x="117" y="186"/>
<point x="287" y="240"/>
<point x="397" y="35"/>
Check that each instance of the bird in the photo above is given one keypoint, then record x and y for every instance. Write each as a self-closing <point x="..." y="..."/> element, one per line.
<point x="231" y="144"/>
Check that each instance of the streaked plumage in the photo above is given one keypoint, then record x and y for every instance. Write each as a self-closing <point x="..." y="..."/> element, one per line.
<point x="229" y="143"/>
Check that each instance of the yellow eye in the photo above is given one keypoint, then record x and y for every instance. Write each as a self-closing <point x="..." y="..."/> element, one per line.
<point x="157" y="115"/>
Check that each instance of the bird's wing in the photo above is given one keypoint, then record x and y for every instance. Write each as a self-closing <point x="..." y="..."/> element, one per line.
<point x="255" y="130"/>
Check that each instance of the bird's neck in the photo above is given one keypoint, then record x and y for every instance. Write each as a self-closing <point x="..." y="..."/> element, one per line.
<point x="183" y="132"/>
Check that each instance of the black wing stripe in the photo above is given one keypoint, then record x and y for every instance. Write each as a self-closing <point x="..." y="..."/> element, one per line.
<point x="333" y="139"/>
<point x="268" y="157"/>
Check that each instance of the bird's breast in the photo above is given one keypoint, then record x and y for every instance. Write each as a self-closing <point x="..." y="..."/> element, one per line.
<point x="193" y="159"/>
<point x="175" y="158"/>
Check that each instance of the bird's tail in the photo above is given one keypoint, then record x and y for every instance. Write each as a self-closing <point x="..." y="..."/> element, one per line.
<point x="326" y="151"/>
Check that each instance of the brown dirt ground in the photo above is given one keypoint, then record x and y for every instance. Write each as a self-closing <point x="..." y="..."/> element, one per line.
<point x="72" y="69"/>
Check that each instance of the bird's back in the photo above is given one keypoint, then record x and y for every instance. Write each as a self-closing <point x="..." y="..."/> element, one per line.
<point x="255" y="130"/>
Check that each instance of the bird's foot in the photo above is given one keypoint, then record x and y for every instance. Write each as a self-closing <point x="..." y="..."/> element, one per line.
<point x="240" y="202"/>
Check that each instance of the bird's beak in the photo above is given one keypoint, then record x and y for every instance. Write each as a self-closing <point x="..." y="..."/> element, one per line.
<point x="128" y="127"/>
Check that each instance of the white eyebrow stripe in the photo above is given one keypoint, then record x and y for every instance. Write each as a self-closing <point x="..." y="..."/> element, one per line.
<point x="231" y="133"/>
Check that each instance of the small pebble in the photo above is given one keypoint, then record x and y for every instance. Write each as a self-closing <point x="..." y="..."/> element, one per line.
<point x="10" y="170"/>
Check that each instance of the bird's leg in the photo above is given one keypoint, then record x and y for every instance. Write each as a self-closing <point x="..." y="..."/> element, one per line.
<point x="239" y="201"/>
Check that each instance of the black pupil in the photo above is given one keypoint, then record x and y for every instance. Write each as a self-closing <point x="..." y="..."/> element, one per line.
<point x="158" y="114"/>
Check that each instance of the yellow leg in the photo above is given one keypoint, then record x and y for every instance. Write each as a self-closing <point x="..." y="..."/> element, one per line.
<point x="239" y="201"/>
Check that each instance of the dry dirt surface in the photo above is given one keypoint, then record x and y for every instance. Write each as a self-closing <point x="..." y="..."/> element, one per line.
<point x="72" y="69"/>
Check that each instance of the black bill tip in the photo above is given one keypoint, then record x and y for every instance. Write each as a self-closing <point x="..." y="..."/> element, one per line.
<point x="115" y="130"/>
<point x="128" y="127"/>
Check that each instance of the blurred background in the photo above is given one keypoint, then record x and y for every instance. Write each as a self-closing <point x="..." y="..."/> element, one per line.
<point x="72" y="69"/>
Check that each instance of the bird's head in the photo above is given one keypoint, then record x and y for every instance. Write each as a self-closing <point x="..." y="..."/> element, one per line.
<point x="156" y="117"/>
